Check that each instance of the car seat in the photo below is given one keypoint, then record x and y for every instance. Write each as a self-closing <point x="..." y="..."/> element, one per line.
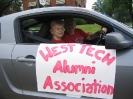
<point x="44" y="31"/>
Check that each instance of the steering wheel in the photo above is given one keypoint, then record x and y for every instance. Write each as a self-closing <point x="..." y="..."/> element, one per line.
<point x="100" y="38"/>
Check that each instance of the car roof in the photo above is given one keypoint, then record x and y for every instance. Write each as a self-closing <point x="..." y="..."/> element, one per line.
<point x="62" y="9"/>
<point x="56" y="8"/>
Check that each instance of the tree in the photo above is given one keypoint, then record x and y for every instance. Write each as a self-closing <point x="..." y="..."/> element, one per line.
<point x="12" y="5"/>
<point x="118" y="9"/>
<point x="96" y="6"/>
<point x="104" y="6"/>
<point x="126" y="4"/>
<point x="121" y="14"/>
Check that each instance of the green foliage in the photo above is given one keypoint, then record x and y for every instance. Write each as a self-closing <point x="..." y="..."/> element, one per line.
<point x="129" y="24"/>
<point x="104" y="6"/>
<point x="80" y="21"/>
<point x="16" y="5"/>
<point x="120" y="10"/>
<point x="28" y="21"/>
<point x="123" y="10"/>
<point x="9" y="6"/>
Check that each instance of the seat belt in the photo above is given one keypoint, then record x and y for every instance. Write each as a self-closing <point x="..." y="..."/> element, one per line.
<point x="37" y="38"/>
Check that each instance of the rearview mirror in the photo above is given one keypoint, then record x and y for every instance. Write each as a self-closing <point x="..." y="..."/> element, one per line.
<point x="116" y="40"/>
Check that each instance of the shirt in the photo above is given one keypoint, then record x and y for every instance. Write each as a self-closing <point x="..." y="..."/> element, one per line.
<point x="57" y="41"/>
<point x="78" y="37"/>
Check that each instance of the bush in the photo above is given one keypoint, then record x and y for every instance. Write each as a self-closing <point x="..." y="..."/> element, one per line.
<point x="80" y="21"/>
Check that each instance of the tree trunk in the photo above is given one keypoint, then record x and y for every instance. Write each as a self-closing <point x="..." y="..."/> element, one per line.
<point x="4" y="8"/>
<point x="130" y="10"/>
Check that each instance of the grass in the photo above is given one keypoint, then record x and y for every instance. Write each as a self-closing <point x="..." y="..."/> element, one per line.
<point x="89" y="27"/>
<point x="34" y="28"/>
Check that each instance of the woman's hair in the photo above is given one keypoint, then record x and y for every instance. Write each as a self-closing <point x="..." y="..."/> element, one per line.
<point x="56" y="22"/>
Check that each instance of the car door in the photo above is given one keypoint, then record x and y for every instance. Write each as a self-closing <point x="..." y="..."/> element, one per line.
<point x="23" y="59"/>
<point x="9" y="84"/>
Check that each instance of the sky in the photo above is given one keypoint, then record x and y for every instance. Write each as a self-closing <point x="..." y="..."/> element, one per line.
<point x="89" y="4"/>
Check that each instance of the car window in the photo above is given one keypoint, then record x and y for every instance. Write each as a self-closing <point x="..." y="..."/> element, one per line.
<point x="31" y="26"/>
<point x="39" y="27"/>
<point x="87" y="25"/>
<point x="34" y="30"/>
<point x="27" y="21"/>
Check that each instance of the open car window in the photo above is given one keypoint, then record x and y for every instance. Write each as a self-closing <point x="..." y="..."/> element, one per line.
<point x="39" y="26"/>
<point x="31" y="26"/>
<point x="87" y="25"/>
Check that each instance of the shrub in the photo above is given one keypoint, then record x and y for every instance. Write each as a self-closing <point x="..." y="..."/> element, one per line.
<point x="80" y="21"/>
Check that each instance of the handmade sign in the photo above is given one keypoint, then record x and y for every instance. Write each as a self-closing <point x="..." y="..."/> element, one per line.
<point x="76" y="69"/>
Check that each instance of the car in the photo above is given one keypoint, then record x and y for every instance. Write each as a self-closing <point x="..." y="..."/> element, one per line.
<point x="22" y="33"/>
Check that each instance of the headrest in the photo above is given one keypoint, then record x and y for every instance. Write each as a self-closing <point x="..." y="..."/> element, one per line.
<point x="44" y="31"/>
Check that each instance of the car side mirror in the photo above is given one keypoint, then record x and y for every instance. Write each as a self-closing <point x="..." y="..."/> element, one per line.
<point x="116" y="40"/>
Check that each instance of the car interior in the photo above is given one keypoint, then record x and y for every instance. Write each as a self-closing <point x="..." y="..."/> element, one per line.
<point x="36" y="29"/>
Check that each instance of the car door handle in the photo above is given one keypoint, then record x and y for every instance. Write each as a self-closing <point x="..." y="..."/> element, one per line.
<point x="23" y="59"/>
